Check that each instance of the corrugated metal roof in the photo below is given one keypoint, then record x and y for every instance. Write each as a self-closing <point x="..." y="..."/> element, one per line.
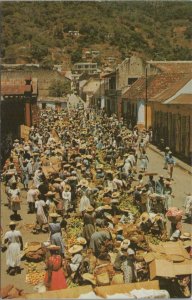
<point x="160" y="87"/>
<point x="173" y="66"/>
<point x="185" y="99"/>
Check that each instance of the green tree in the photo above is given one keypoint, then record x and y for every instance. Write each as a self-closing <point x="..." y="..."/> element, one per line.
<point x="60" y="88"/>
<point x="38" y="51"/>
<point x="76" y="56"/>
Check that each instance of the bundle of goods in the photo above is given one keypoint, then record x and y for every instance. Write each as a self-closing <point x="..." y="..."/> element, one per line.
<point x="10" y="292"/>
<point x="34" y="251"/>
<point x="174" y="214"/>
<point x="104" y="273"/>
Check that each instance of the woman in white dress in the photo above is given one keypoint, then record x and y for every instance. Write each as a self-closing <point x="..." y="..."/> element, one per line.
<point x="14" y="194"/>
<point x="66" y="195"/>
<point x="40" y="214"/>
<point x="84" y="203"/>
<point x="15" y="244"/>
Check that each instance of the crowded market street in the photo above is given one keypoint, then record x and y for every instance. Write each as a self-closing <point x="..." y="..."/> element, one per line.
<point x="90" y="170"/>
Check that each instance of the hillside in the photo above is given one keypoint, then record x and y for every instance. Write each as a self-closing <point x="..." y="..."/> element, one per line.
<point x="38" y="31"/>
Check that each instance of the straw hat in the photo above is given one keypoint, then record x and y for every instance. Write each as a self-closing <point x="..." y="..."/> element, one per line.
<point x="89" y="156"/>
<point x="186" y="236"/>
<point x="58" y="179"/>
<point x="12" y="223"/>
<point x="75" y="249"/>
<point x="120" y="164"/>
<point x="33" y="187"/>
<point x="106" y="190"/>
<point x="81" y="241"/>
<point x="67" y="188"/>
<point x="53" y="247"/>
<point x="84" y="182"/>
<point x="54" y="215"/>
<point x="90" y="208"/>
<point x="89" y="277"/>
<point x="125" y="244"/>
<point x="144" y="217"/>
<point x="115" y="195"/>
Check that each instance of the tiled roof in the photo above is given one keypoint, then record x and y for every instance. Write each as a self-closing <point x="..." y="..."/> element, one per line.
<point x="17" y="87"/>
<point x="172" y="66"/>
<point x="159" y="87"/>
<point x="185" y="99"/>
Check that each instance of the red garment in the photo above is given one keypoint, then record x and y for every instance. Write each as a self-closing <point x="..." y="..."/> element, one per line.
<point x="58" y="280"/>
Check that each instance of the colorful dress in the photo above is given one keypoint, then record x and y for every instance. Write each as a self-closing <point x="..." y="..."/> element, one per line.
<point x="57" y="278"/>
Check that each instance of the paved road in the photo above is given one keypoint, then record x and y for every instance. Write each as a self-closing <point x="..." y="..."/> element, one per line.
<point x="181" y="184"/>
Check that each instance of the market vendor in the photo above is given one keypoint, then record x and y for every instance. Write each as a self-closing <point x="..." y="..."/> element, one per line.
<point x="124" y="262"/>
<point x="89" y="223"/>
<point x="99" y="238"/>
<point x="54" y="278"/>
<point x="76" y="259"/>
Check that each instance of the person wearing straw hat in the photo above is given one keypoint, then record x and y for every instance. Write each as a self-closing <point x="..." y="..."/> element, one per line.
<point x="77" y="257"/>
<point x="54" y="277"/>
<point x="31" y="197"/>
<point x="41" y="218"/>
<point x="84" y="202"/>
<point x="99" y="238"/>
<point x="89" y="223"/>
<point x="15" y="244"/>
<point x="66" y="196"/>
<point x="56" y="233"/>
<point x="14" y="194"/>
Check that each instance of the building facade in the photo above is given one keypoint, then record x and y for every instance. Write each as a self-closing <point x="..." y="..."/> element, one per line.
<point x="18" y="106"/>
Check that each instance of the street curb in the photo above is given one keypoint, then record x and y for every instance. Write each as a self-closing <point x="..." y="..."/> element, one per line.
<point x="179" y="163"/>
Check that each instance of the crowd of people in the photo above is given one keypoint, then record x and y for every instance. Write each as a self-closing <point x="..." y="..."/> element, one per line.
<point x="83" y="163"/>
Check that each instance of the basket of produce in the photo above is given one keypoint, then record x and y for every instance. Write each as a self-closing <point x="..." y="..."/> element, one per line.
<point x="103" y="279"/>
<point x="174" y="214"/>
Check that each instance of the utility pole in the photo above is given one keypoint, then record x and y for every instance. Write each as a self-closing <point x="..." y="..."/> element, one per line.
<point x="146" y="96"/>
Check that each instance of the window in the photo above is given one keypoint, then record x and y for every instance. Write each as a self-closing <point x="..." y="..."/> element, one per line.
<point x="131" y="80"/>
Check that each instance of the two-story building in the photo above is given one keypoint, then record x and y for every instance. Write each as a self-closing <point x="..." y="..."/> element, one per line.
<point x="18" y="106"/>
<point x="85" y="67"/>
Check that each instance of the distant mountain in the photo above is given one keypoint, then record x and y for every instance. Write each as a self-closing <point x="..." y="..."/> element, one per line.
<point x="38" y="32"/>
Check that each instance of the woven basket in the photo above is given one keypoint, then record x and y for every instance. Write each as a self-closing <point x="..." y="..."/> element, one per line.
<point x="174" y="219"/>
<point x="117" y="279"/>
<point x="103" y="279"/>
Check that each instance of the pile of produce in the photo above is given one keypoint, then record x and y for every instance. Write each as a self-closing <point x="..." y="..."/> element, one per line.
<point x="126" y="202"/>
<point x="74" y="229"/>
<point x="35" y="273"/>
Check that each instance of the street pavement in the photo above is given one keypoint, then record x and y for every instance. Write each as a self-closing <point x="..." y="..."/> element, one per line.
<point x="182" y="184"/>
